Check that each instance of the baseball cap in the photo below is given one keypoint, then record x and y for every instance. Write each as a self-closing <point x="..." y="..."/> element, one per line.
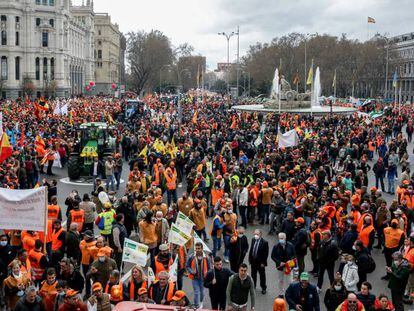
<point x="71" y="293"/>
<point x="304" y="276"/>
<point x="142" y="291"/>
<point x="300" y="220"/>
<point x="179" y="294"/>
<point x="96" y="286"/>
<point x="88" y="233"/>
<point x="101" y="253"/>
<point x="163" y="247"/>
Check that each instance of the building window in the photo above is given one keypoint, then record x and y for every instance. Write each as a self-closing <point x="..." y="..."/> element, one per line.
<point x="4" y="68"/>
<point x="99" y="54"/>
<point x="51" y="2"/>
<point x="17" y="68"/>
<point x="52" y="22"/>
<point x="45" y="68"/>
<point x="38" y="21"/>
<point x="99" y="42"/>
<point x="44" y="2"/>
<point x="38" y="2"/>
<point x="3" y="37"/>
<point x="17" y="38"/>
<point x="37" y="68"/>
<point x="45" y="39"/>
<point x="4" y="18"/>
<point x="52" y="69"/>
<point x="17" y="19"/>
<point x="99" y="32"/>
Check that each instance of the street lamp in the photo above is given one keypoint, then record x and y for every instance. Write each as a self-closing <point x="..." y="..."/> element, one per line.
<point x="228" y="36"/>
<point x="164" y="66"/>
<point x="180" y="73"/>
<point x="307" y="37"/>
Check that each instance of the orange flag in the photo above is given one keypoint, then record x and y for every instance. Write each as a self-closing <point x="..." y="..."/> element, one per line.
<point x="6" y="149"/>
<point x="194" y="120"/>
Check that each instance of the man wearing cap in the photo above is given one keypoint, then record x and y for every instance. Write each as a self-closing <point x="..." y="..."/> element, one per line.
<point x="99" y="298"/>
<point x="394" y="238"/>
<point x="143" y="296"/>
<point x="180" y="299"/>
<point x="259" y="251"/>
<point x="301" y="241"/>
<point x="163" y="260"/>
<point x="302" y="296"/>
<point x="72" y="302"/>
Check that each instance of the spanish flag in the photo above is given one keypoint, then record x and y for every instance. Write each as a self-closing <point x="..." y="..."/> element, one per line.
<point x="40" y="145"/>
<point x="310" y="76"/>
<point x="6" y="149"/>
<point x="371" y="20"/>
<point x="194" y="119"/>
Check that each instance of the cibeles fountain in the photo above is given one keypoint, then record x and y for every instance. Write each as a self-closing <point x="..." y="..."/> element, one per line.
<point x="283" y="99"/>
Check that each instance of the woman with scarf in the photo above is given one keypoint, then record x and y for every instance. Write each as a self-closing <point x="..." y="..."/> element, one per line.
<point x="15" y="285"/>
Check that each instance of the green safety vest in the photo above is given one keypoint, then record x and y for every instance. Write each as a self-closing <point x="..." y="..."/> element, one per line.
<point x="108" y="217"/>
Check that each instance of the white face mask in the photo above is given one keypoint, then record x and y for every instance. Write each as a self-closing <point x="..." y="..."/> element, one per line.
<point x="256" y="236"/>
<point x="349" y="262"/>
<point x="354" y="248"/>
<point x="396" y="262"/>
<point x="241" y="235"/>
<point x="338" y="287"/>
<point x="3" y="243"/>
<point x="102" y="259"/>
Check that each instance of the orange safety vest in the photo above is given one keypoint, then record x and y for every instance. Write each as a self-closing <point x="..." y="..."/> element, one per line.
<point x="53" y="211"/>
<point x="216" y="195"/>
<point x="48" y="294"/>
<point x="364" y="235"/>
<point x="35" y="257"/>
<point x="56" y="243"/>
<point x="171" y="178"/>
<point x="27" y="269"/>
<point x="160" y="267"/>
<point x="29" y="241"/>
<point x="108" y="289"/>
<point x="360" y="223"/>
<point x="170" y="292"/>
<point x="193" y="267"/>
<point x="132" y="291"/>
<point x="409" y="199"/>
<point x="312" y="234"/>
<point x="78" y="216"/>
<point x="392" y="237"/>
<point x="86" y="252"/>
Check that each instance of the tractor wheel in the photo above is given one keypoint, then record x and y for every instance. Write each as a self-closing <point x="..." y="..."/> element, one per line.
<point x="74" y="167"/>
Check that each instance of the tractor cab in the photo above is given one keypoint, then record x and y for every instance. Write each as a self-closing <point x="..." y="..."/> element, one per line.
<point x="133" y="107"/>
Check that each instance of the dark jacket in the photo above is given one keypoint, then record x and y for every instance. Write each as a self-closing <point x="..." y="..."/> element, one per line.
<point x="334" y="298"/>
<point x="262" y="252"/>
<point x="288" y="227"/>
<point x="72" y="245"/>
<point x="367" y="300"/>
<point x="328" y="251"/>
<point x="239" y="249"/>
<point x="75" y="280"/>
<point x="293" y="294"/>
<point x="282" y="254"/>
<point x="348" y="241"/>
<point x="301" y="242"/>
<point x="23" y="305"/>
<point x="362" y="260"/>
<point x="399" y="277"/>
<point x="222" y="279"/>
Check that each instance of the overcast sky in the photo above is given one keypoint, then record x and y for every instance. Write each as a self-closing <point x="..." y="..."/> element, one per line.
<point x="198" y="22"/>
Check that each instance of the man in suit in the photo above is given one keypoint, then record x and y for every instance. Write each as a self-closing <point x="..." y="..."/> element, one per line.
<point x="258" y="254"/>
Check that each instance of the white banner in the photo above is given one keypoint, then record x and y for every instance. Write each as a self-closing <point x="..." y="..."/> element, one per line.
<point x="184" y="223"/>
<point x="135" y="253"/>
<point x="23" y="209"/>
<point x="173" y="271"/>
<point x="288" y="139"/>
<point x="177" y="236"/>
<point x="56" y="161"/>
<point x="198" y="239"/>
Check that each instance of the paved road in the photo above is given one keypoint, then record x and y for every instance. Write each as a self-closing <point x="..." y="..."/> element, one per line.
<point x="263" y="302"/>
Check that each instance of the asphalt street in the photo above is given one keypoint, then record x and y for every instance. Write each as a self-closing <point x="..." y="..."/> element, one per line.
<point x="263" y="302"/>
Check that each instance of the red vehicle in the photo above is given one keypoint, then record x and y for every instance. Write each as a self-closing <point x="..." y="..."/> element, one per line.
<point x="136" y="306"/>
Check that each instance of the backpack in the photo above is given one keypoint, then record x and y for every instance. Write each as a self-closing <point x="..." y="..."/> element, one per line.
<point x="101" y="223"/>
<point x="371" y="264"/>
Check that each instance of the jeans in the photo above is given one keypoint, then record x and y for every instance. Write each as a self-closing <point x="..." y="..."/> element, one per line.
<point x="391" y="185"/>
<point x="202" y="233"/>
<point x="264" y="213"/>
<point x="171" y="195"/>
<point x="243" y="215"/>
<point x="308" y="221"/>
<point x="226" y="246"/>
<point x="379" y="179"/>
<point x="85" y="269"/>
<point x="117" y="179"/>
<point x="218" y="303"/>
<point x="216" y="244"/>
<point x="198" y="288"/>
<point x="110" y="180"/>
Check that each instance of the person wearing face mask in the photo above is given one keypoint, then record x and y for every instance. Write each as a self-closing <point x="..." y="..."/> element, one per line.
<point x="101" y="268"/>
<point x="163" y="260"/>
<point x="230" y="221"/>
<point x="48" y="290"/>
<point x="162" y="228"/>
<point x="119" y="234"/>
<point x="238" y="248"/>
<point x="30" y="301"/>
<point x="350" y="274"/>
<point x="283" y="254"/>
<point x="335" y="295"/>
<point x="259" y="251"/>
<point x="394" y="239"/>
<point x="399" y="273"/>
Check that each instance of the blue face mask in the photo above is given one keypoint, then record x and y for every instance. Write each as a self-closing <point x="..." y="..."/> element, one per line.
<point x="282" y="242"/>
<point x="3" y="243"/>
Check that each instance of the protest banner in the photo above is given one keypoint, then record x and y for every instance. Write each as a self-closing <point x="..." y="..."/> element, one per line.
<point x="178" y="236"/>
<point x="288" y="139"/>
<point x="23" y="209"/>
<point x="135" y="252"/>
<point x="184" y="223"/>
<point x="173" y="271"/>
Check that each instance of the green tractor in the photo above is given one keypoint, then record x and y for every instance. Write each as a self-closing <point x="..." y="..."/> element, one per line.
<point x="93" y="140"/>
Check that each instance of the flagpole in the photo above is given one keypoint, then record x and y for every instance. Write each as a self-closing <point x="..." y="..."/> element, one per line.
<point x="280" y="70"/>
<point x="312" y="95"/>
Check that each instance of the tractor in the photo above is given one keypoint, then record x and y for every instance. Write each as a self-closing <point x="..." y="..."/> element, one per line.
<point x="93" y="140"/>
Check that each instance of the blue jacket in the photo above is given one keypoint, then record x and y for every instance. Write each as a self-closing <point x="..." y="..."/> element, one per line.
<point x="293" y="297"/>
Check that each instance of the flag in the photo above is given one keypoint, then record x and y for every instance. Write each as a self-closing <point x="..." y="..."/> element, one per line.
<point x="143" y="152"/>
<point x="22" y="138"/>
<point x="173" y="271"/>
<point x="334" y="80"/>
<point x="198" y="240"/>
<point x="394" y="79"/>
<point x="40" y="145"/>
<point x="1" y="124"/>
<point x="159" y="146"/>
<point x="150" y="276"/>
<point x="288" y="139"/>
<point x="296" y="79"/>
<point x="310" y="76"/>
<point x="6" y="149"/>
<point x="371" y="20"/>
<point x="42" y="105"/>
<point x="194" y="119"/>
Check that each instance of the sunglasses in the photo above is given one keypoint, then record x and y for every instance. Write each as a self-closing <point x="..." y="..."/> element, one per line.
<point x="352" y="301"/>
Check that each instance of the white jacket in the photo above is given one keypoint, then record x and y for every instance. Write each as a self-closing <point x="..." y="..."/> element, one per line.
<point x="350" y="277"/>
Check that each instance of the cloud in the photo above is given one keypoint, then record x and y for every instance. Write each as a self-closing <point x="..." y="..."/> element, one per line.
<point x="197" y="22"/>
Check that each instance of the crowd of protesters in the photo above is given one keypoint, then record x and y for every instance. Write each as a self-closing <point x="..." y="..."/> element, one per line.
<point x="312" y="200"/>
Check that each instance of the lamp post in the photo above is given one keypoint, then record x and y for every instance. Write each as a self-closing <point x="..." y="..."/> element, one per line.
<point x="180" y="73"/>
<point x="228" y="36"/>
<point x="162" y="67"/>
<point x="386" y="68"/>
